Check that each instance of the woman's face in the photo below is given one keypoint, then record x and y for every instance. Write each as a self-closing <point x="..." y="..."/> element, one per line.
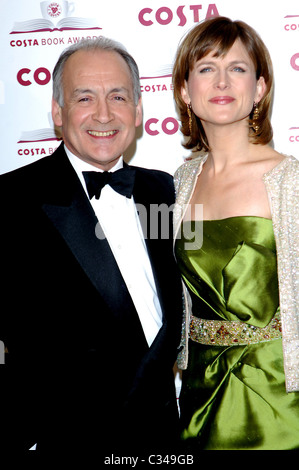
<point x="222" y="90"/>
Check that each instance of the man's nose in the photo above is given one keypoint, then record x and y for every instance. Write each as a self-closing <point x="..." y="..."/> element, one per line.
<point x="102" y="111"/>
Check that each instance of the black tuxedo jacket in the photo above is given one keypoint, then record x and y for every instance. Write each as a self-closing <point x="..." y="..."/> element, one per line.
<point x="78" y="372"/>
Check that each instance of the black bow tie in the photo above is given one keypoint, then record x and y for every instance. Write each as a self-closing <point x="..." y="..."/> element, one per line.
<point x="121" y="181"/>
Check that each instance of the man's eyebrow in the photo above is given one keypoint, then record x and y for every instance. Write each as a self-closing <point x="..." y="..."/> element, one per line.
<point x="120" y="90"/>
<point x="81" y="91"/>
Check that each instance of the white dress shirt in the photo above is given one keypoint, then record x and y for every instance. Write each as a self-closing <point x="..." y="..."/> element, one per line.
<point x="120" y="222"/>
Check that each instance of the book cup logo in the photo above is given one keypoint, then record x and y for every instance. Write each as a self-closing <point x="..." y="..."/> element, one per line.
<point x="56" y="15"/>
<point x="55" y="11"/>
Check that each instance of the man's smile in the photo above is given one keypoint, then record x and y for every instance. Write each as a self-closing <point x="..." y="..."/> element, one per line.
<point x="102" y="134"/>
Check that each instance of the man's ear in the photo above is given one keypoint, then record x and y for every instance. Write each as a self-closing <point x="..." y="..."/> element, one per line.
<point x="138" y="119"/>
<point x="56" y="113"/>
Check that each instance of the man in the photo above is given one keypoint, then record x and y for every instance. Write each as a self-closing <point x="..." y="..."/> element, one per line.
<point x="93" y="304"/>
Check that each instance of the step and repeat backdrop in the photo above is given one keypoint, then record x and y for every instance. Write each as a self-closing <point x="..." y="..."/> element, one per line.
<point x="33" y="33"/>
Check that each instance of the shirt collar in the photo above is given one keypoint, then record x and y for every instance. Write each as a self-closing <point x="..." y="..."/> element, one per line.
<point x="80" y="165"/>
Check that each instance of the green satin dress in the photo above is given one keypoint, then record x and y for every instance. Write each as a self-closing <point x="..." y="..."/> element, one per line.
<point x="234" y="397"/>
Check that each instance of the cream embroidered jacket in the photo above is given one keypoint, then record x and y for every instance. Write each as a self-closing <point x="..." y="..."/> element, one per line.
<point x="282" y="185"/>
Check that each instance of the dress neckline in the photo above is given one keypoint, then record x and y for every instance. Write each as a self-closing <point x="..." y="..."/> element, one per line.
<point x="229" y="218"/>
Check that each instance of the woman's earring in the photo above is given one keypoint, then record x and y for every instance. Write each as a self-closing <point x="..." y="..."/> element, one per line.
<point x="190" y="117"/>
<point x="256" y="115"/>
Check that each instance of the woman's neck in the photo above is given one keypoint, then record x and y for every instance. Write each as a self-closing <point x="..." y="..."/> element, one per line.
<point x="229" y="146"/>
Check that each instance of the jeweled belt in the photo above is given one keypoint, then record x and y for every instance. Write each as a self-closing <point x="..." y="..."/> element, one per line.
<point x="232" y="333"/>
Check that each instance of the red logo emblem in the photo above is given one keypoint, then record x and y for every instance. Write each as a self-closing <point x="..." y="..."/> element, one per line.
<point x="54" y="10"/>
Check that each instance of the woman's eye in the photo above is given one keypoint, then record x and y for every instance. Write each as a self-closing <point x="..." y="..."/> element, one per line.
<point x="238" y="69"/>
<point x="205" y="69"/>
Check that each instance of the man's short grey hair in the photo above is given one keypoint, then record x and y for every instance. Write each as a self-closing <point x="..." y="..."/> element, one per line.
<point x="101" y="43"/>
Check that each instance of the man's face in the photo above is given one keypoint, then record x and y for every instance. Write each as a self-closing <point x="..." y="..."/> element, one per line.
<point x="99" y="116"/>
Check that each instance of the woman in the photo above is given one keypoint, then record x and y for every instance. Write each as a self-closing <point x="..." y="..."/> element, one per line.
<point x="240" y="387"/>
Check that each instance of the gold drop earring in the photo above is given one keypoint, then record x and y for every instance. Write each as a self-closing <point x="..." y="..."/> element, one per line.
<point x="189" y="108"/>
<point x="256" y="115"/>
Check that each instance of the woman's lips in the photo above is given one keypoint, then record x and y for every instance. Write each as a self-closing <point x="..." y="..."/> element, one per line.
<point x="222" y="100"/>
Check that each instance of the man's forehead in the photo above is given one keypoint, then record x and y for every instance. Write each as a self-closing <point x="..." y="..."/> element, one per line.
<point x="99" y="63"/>
<point x="97" y="67"/>
<point x="95" y="56"/>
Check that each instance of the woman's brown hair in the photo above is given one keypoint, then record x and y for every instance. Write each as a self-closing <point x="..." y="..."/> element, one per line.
<point x="219" y="34"/>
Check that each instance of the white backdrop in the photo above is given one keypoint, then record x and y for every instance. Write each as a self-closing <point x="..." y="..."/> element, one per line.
<point x="33" y="33"/>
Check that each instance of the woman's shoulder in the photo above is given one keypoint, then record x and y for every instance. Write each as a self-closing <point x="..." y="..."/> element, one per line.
<point x="190" y="165"/>
<point x="283" y="164"/>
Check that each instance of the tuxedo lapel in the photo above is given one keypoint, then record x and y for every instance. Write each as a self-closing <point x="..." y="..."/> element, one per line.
<point x="70" y="211"/>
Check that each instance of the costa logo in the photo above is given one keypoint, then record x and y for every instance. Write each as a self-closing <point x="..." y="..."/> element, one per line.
<point x="295" y="61"/>
<point x="292" y="26"/>
<point x="165" y="15"/>
<point x="41" y="76"/>
<point x="49" y="41"/>
<point x="35" y="151"/>
<point x="294" y="138"/>
<point x="168" y="126"/>
<point x="31" y="151"/>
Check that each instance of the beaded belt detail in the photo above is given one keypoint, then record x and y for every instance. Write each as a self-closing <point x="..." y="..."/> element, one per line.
<point x="232" y="333"/>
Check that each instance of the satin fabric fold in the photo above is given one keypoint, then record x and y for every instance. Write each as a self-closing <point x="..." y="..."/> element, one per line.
<point x="246" y="300"/>
<point x="234" y="397"/>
